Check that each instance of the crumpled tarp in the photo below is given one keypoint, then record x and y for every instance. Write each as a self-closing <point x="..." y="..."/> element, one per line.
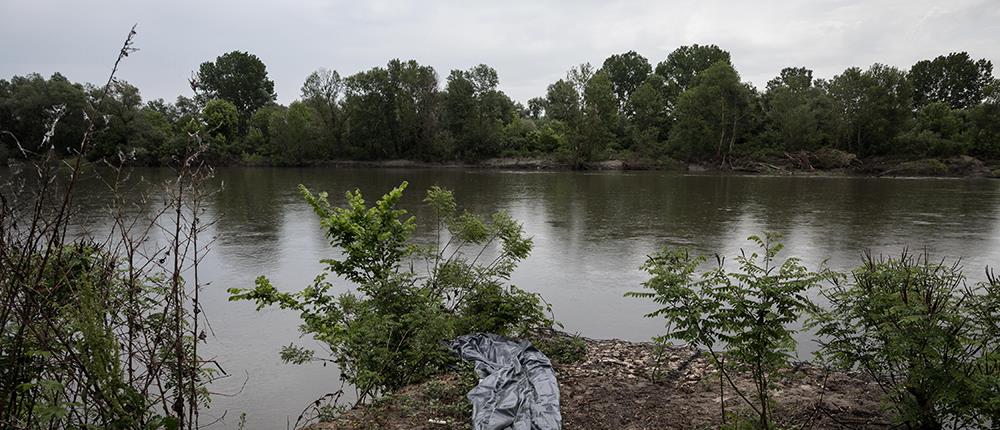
<point x="517" y="387"/>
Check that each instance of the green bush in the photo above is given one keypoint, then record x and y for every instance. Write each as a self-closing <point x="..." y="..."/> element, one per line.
<point x="387" y="333"/>
<point x="73" y="365"/>
<point x="928" y="340"/>
<point x="748" y="311"/>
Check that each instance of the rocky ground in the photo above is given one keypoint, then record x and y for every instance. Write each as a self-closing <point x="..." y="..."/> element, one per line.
<point x="614" y="384"/>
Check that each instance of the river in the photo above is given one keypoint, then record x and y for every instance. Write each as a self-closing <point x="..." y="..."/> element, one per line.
<point x="591" y="233"/>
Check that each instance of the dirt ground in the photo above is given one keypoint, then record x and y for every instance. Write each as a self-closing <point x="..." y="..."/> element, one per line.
<point x="610" y="386"/>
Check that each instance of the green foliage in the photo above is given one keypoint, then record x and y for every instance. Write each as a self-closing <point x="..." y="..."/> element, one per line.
<point x="239" y="78"/>
<point x="799" y="115"/>
<point x="875" y="105"/>
<point x="323" y="91"/>
<point x="955" y="80"/>
<point x="600" y="119"/>
<point x="562" y="102"/>
<point x="692" y="107"/>
<point x="83" y="290"/>
<point x="937" y="132"/>
<point x="683" y="65"/>
<point x="31" y="103"/>
<point x="650" y="122"/>
<point x="386" y="333"/>
<point x="221" y="127"/>
<point x="561" y="348"/>
<point x="626" y="72"/>
<point x="122" y="123"/>
<point x="748" y="312"/>
<point x="295" y="135"/>
<point x="713" y="116"/>
<point x="983" y="130"/>
<point x="389" y="112"/>
<point x="475" y="112"/>
<point x="928" y="340"/>
<point x="93" y="332"/>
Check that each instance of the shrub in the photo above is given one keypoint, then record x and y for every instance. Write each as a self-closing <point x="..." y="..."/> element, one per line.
<point x="928" y="340"/>
<point x="747" y="311"/>
<point x="100" y="330"/>
<point x="74" y="364"/>
<point x="387" y="333"/>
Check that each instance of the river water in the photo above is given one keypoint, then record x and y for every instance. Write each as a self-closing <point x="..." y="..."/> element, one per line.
<point x="591" y="233"/>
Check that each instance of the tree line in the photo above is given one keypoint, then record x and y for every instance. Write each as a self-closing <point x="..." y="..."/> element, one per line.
<point x="692" y="106"/>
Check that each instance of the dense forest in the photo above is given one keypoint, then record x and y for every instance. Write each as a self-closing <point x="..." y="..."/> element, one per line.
<point x="692" y="106"/>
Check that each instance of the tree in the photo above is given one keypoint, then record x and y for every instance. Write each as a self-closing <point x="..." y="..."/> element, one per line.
<point x="797" y="114"/>
<point x="239" y="78"/>
<point x="390" y="112"/>
<point x="875" y="104"/>
<point x="322" y="91"/>
<point x="484" y="78"/>
<point x="954" y="79"/>
<point x="475" y="111"/>
<point x="626" y="71"/>
<point x="120" y="124"/>
<point x="600" y="118"/>
<point x="35" y="104"/>
<point x="579" y="76"/>
<point x="983" y="132"/>
<point x="650" y="121"/>
<point x="152" y="137"/>
<point x="749" y="311"/>
<point x="793" y="78"/>
<point x="536" y="107"/>
<point x="415" y="95"/>
<point x="562" y="102"/>
<point x="386" y="333"/>
<point x="295" y="135"/>
<point x="221" y="125"/>
<point x="366" y="114"/>
<point x="925" y="337"/>
<point x="683" y="65"/>
<point x="937" y="132"/>
<point x="713" y="115"/>
<point x="258" y="139"/>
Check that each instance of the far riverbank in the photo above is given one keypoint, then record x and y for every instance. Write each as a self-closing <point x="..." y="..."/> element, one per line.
<point x="842" y="164"/>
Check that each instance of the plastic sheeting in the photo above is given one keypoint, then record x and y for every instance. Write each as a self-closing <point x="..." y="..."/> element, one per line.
<point x="517" y="387"/>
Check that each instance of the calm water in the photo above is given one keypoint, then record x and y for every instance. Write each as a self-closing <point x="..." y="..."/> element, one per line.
<point x="591" y="232"/>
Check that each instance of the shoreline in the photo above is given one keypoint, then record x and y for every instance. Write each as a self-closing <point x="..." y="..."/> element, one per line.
<point x="610" y="385"/>
<point x="955" y="167"/>
<point x="960" y="167"/>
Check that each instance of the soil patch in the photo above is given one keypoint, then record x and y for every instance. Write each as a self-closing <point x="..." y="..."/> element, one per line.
<point x="619" y="385"/>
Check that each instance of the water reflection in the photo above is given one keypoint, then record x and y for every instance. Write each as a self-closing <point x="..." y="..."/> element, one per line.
<point x="591" y="232"/>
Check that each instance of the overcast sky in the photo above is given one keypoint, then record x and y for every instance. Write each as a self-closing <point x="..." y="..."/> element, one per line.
<point x="530" y="43"/>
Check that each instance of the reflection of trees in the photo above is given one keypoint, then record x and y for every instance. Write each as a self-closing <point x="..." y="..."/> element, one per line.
<point x="593" y="230"/>
<point x="632" y="213"/>
<point x="250" y="204"/>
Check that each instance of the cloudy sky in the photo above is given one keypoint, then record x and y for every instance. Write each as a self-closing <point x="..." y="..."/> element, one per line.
<point x="530" y="43"/>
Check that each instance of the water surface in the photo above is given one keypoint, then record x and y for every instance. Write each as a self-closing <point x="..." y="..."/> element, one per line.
<point x="591" y="232"/>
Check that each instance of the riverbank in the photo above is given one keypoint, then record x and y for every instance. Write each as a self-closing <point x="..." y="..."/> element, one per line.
<point x="826" y="162"/>
<point x="817" y="163"/>
<point x="615" y="384"/>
